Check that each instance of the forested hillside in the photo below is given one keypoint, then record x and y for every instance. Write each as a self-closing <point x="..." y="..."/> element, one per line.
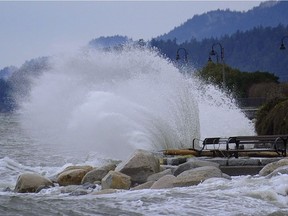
<point x="219" y="23"/>
<point x="16" y="86"/>
<point x="253" y="50"/>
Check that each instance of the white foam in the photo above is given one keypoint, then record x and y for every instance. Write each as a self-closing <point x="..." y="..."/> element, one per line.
<point x="115" y="102"/>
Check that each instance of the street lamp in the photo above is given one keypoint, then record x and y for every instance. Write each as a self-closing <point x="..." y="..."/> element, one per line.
<point x="185" y="55"/>
<point x="213" y="52"/>
<point x="282" y="47"/>
<point x="217" y="57"/>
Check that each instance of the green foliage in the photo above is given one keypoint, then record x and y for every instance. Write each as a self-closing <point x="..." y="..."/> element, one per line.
<point x="237" y="82"/>
<point x="272" y="118"/>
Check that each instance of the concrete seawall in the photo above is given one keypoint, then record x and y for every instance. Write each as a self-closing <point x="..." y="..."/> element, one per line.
<point x="230" y="166"/>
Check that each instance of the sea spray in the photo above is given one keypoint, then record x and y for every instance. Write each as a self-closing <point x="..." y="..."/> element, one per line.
<point x="112" y="103"/>
<point x="219" y="114"/>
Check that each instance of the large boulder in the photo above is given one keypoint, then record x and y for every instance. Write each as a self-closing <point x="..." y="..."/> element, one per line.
<point x="193" y="163"/>
<point x="116" y="180"/>
<point x="31" y="183"/>
<point x="97" y="174"/>
<point x="85" y="167"/>
<point x="139" y="166"/>
<point x="55" y="177"/>
<point x="146" y="185"/>
<point x="269" y="168"/>
<point x="157" y="176"/>
<point x="71" y="177"/>
<point x="280" y="170"/>
<point x="196" y="176"/>
<point x="105" y="191"/>
<point x="166" y="181"/>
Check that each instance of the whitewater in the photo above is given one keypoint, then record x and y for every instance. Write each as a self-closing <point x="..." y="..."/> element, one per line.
<point x="93" y="107"/>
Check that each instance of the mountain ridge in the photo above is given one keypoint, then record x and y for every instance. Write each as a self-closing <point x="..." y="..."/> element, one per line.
<point x="218" y="23"/>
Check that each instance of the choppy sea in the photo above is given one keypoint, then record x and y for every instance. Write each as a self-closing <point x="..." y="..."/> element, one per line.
<point x="243" y="195"/>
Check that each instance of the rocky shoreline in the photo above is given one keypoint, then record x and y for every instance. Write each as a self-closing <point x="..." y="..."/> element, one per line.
<point x="143" y="170"/>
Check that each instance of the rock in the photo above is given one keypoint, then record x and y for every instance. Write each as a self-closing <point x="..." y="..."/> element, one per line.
<point x="70" y="188"/>
<point x="31" y="183"/>
<point x="97" y="174"/>
<point x="157" y="176"/>
<point x="139" y="166"/>
<point x="166" y="181"/>
<point x="54" y="177"/>
<point x="85" y="167"/>
<point x="269" y="168"/>
<point x="79" y="192"/>
<point x="105" y="191"/>
<point x="109" y="167"/>
<point x="88" y="185"/>
<point x="145" y="185"/>
<point x="226" y="176"/>
<point x="7" y="189"/>
<point x="196" y="176"/>
<point x="116" y="180"/>
<point x="174" y="160"/>
<point x="279" y="170"/>
<point x="171" y="167"/>
<point x="71" y="177"/>
<point x="193" y="163"/>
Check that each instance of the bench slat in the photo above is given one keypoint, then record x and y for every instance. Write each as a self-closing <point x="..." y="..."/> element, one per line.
<point x="278" y="143"/>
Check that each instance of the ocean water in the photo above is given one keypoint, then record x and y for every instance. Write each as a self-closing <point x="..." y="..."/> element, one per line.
<point x="94" y="107"/>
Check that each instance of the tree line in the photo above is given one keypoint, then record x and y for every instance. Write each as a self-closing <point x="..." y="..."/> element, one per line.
<point x="250" y="51"/>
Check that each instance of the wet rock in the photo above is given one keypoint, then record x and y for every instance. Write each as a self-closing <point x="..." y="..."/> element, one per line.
<point x="145" y="185"/>
<point x="196" y="176"/>
<point x="193" y="163"/>
<point x="226" y="176"/>
<point x="97" y="174"/>
<point x="139" y="166"/>
<point x="89" y="185"/>
<point x="280" y="170"/>
<point x="111" y="166"/>
<point x="70" y="188"/>
<point x="269" y="168"/>
<point x="116" y="180"/>
<point x="76" y="190"/>
<point x="171" y="167"/>
<point x="105" y="191"/>
<point x="85" y="167"/>
<point x="31" y="183"/>
<point x="7" y="189"/>
<point x="174" y="160"/>
<point x="166" y="181"/>
<point x="71" y="177"/>
<point x="157" y="176"/>
<point x="79" y="192"/>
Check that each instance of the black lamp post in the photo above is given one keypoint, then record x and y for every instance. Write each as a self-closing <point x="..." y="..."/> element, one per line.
<point x="217" y="57"/>
<point x="213" y="52"/>
<point x="185" y="55"/>
<point x="282" y="47"/>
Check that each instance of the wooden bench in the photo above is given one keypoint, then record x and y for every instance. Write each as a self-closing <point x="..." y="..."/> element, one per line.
<point x="233" y="146"/>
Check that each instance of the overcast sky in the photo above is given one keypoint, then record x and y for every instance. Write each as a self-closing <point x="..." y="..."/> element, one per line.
<point x="30" y="29"/>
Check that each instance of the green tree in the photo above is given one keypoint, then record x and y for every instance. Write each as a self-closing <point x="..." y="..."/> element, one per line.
<point x="237" y="82"/>
<point x="272" y="118"/>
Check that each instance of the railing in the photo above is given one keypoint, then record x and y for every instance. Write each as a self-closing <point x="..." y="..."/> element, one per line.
<point x="268" y="143"/>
